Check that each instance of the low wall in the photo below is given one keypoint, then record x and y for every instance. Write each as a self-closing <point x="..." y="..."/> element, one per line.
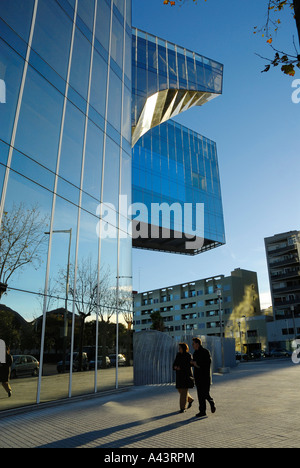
<point x="154" y="353"/>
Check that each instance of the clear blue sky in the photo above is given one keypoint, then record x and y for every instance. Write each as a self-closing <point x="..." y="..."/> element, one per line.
<point x="257" y="130"/>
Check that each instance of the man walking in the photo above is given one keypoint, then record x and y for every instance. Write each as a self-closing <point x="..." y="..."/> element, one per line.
<point x="202" y="373"/>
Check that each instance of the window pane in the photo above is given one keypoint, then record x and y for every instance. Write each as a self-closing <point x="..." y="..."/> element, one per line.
<point x="40" y="119"/>
<point x="117" y="40"/>
<point x="172" y="68"/>
<point x="103" y="23"/>
<point x="120" y="5"/>
<point x="86" y="12"/>
<point x="18" y="15"/>
<point x="98" y="85"/>
<point x="93" y="161"/>
<point x="111" y="173"/>
<point x="128" y="53"/>
<point x="114" y="101"/>
<point x="80" y="64"/>
<point x="126" y="130"/>
<point x="72" y="145"/>
<point x="11" y="70"/>
<point x="52" y="35"/>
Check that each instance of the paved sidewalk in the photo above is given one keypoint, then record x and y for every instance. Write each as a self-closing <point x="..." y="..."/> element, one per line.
<point x="258" y="405"/>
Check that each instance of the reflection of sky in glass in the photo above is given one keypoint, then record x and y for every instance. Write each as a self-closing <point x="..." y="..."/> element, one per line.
<point x="80" y="181"/>
<point x="173" y="164"/>
<point x="160" y="65"/>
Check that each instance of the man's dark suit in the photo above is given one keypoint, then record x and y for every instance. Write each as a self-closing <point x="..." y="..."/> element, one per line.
<point x="202" y="374"/>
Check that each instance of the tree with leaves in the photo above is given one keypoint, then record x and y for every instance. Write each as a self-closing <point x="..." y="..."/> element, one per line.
<point x="289" y="61"/>
<point x="84" y="295"/>
<point x="157" y="321"/>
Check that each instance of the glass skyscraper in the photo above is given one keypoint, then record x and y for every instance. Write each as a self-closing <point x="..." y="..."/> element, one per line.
<point x="176" y="183"/>
<point x="174" y="171"/>
<point x="85" y="104"/>
<point x="65" y="151"/>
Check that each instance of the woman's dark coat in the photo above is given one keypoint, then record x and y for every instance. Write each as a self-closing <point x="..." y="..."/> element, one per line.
<point x="184" y="377"/>
<point x="5" y="369"/>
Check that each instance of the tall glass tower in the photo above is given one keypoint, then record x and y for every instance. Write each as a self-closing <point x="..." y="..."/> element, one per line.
<point x="176" y="182"/>
<point x="65" y="152"/>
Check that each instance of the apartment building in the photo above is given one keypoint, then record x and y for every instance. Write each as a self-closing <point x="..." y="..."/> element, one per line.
<point x="283" y="258"/>
<point x="195" y="308"/>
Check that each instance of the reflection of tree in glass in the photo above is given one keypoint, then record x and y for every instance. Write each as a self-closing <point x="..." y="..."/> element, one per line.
<point x="22" y="240"/>
<point x="85" y="297"/>
<point x="126" y="306"/>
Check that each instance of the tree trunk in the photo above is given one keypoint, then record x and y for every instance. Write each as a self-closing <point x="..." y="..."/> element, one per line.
<point x="82" y="318"/>
<point x="103" y="342"/>
<point x="3" y="288"/>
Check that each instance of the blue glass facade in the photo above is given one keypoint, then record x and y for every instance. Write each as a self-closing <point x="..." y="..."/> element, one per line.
<point x="65" y="134"/>
<point x="167" y="80"/>
<point x="172" y="164"/>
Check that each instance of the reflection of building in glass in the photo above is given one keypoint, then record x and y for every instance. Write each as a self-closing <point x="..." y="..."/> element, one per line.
<point x="174" y="165"/>
<point x="64" y="136"/>
<point x="193" y="308"/>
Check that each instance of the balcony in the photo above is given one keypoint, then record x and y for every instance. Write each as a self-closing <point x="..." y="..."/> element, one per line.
<point x="287" y="289"/>
<point x="288" y="261"/>
<point x="282" y="250"/>
<point x="289" y="274"/>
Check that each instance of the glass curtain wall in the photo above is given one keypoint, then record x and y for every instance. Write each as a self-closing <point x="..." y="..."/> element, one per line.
<point x="168" y="80"/>
<point x="176" y="166"/>
<point x="65" y="156"/>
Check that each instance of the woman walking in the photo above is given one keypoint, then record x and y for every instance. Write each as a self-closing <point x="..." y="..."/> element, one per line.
<point x="5" y="373"/>
<point x="184" y="376"/>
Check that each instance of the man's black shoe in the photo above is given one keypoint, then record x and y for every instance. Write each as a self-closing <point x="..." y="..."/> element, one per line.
<point x="213" y="408"/>
<point x="200" y="415"/>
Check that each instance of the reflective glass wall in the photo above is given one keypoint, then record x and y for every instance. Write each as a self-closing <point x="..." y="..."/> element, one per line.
<point x="167" y="80"/>
<point x="65" y="157"/>
<point x="176" y="168"/>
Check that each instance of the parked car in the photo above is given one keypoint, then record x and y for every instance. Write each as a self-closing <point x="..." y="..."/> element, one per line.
<point x="85" y="363"/>
<point x="121" y="360"/>
<point x="99" y="363"/>
<point x="280" y="352"/>
<point x="257" y="354"/>
<point x="24" y="365"/>
<point x="240" y="357"/>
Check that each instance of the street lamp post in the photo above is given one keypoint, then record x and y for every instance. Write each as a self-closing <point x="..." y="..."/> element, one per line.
<point x="241" y="340"/>
<point x="223" y="369"/>
<point x="246" y="334"/>
<point x="294" y="323"/>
